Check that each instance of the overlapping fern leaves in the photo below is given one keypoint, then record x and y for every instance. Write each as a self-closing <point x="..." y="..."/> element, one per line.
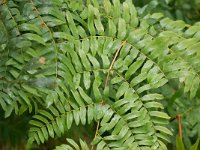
<point x="77" y="61"/>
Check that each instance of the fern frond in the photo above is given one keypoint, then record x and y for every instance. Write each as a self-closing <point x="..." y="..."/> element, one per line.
<point x="73" y="146"/>
<point x="58" y="120"/>
<point x="181" y="58"/>
<point x="96" y="55"/>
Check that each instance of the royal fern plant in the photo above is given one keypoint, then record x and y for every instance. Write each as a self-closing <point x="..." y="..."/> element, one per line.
<point x="80" y="62"/>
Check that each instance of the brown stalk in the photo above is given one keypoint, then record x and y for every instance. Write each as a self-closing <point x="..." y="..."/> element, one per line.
<point x="112" y="63"/>
<point x="179" y="127"/>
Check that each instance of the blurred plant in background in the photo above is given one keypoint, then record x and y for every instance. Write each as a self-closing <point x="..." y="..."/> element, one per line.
<point x="178" y="103"/>
<point x="187" y="10"/>
<point x="13" y="131"/>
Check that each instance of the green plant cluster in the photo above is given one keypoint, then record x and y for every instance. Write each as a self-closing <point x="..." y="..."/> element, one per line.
<point x="187" y="10"/>
<point x="78" y="62"/>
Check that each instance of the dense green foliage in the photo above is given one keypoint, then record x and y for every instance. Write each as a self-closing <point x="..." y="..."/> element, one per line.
<point x="123" y="69"/>
<point x="187" y="10"/>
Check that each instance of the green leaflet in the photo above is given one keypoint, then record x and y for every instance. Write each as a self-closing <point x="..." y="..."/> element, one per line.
<point x="116" y="9"/>
<point x="94" y="61"/>
<point x="31" y="90"/>
<point x="42" y="119"/>
<point x="60" y="107"/>
<point x="107" y="117"/>
<point x="46" y="114"/>
<point x="159" y="114"/>
<point x="134" y="67"/>
<point x="69" y="119"/>
<point x="85" y="46"/>
<point x="122" y="89"/>
<point x="30" y="27"/>
<point x="60" y="125"/>
<point x="83" y="115"/>
<point x="77" y="80"/>
<point x="101" y="145"/>
<point x="52" y="21"/>
<point x="195" y="145"/>
<point x="126" y="14"/>
<point x="107" y="6"/>
<point x="64" y="36"/>
<point x="99" y="26"/>
<point x="77" y="98"/>
<point x="45" y="133"/>
<point x="151" y="97"/>
<point x="41" y="137"/>
<point x="84" y="60"/>
<point x="81" y="32"/>
<point x="93" y="45"/>
<point x="97" y="93"/>
<point x="121" y="29"/>
<point x="56" y="128"/>
<point x="179" y="143"/>
<point x="3" y="31"/>
<point x="111" y="28"/>
<point x="53" y="11"/>
<point x="84" y="145"/>
<point x="54" y="111"/>
<point x="38" y="124"/>
<point x="24" y="97"/>
<point x="87" y="99"/>
<point x="153" y="105"/>
<point x="76" y="117"/>
<point x="163" y="129"/>
<point x="72" y="145"/>
<point x="71" y="24"/>
<point x="86" y="80"/>
<point x="91" y="27"/>
<point x="34" y="37"/>
<point x="50" y="130"/>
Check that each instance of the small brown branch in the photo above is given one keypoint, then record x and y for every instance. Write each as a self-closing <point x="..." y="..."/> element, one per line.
<point x="106" y="83"/>
<point x="112" y="63"/>
<point x="96" y="132"/>
<point x="179" y="127"/>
